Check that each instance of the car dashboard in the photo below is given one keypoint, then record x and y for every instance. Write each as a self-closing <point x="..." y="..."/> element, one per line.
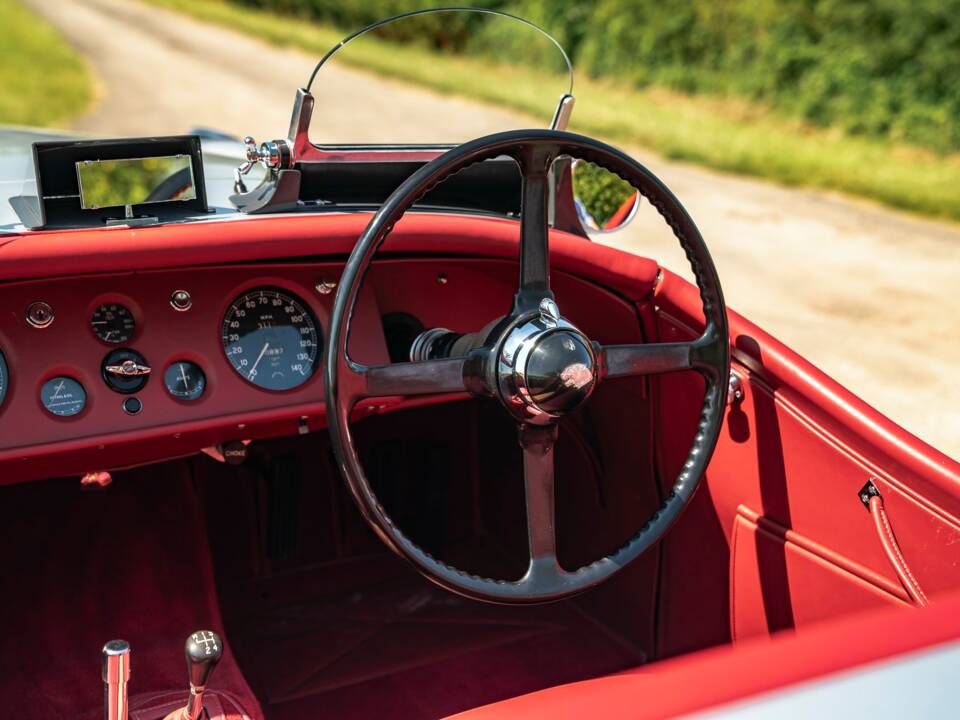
<point x="146" y="344"/>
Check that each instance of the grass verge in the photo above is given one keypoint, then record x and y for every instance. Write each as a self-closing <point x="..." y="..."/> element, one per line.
<point x="727" y="135"/>
<point x="43" y="81"/>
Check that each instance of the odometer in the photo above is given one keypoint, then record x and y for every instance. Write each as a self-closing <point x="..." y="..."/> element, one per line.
<point x="271" y="339"/>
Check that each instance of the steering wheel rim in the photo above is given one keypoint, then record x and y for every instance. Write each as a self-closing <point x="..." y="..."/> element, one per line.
<point x="347" y="382"/>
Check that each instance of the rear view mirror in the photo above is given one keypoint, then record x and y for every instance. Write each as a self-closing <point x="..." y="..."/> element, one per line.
<point x="134" y="181"/>
<point x="603" y="200"/>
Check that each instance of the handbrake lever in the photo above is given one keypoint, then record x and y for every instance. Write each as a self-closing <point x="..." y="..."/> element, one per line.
<point x="115" y="670"/>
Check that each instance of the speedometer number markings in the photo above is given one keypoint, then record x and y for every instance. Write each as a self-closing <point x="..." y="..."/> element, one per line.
<point x="271" y="339"/>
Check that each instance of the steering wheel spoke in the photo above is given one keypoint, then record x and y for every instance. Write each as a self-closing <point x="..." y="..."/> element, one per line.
<point x="538" y="442"/>
<point x="535" y="163"/>
<point x="660" y="358"/>
<point x="430" y="377"/>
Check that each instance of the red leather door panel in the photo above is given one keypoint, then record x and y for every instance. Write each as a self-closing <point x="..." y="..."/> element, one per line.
<point x="812" y="587"/>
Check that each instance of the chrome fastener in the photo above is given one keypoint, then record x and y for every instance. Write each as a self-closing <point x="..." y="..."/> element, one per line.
<point x="735" y="392"/>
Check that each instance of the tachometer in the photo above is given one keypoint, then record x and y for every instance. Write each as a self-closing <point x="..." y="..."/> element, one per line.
<point x="113" y="323"/>
<point x="271" y="339"/>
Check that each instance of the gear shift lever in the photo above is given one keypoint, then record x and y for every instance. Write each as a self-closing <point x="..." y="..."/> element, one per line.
<point x="115" y="671"/>
<point x="203" y="650"/>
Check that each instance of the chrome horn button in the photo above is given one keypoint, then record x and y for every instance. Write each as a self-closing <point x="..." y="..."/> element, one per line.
<point x="546" y="367"/>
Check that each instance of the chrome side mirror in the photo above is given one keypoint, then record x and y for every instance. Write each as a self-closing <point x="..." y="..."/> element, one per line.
<point x="605" y="202"/>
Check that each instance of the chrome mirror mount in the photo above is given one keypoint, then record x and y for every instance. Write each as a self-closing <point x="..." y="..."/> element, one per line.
<point x="280" y="188"/>
<point x="273" y="156"/>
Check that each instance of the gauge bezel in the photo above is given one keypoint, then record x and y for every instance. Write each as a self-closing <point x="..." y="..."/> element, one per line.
<point x="98" y="306"/>
<point x="309" y="311"/>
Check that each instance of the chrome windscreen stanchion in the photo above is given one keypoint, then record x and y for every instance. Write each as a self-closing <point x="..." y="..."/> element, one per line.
<point x="116" y="675"/>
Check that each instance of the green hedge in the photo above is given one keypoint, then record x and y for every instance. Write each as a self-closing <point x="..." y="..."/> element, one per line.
<point x="601" y="192"/>
<point x="879" y="68"/>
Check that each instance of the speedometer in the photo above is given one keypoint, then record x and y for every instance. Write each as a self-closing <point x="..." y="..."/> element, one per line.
<point x="271" y="339"/>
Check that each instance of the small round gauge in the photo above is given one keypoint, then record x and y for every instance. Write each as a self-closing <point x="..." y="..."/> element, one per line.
<point x="185" y="380"/>
<point x="113" y="323"/>
<point x="271" y="339"/>
<point x="63" y="396"/>
<point x="4" y="379"/>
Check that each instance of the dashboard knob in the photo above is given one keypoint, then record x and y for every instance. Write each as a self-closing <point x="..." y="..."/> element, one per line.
<point x="128" y="367"/>
<point x="125" y="371"/>
<point x="181" y="301"/>
<point x="40" y="315"/>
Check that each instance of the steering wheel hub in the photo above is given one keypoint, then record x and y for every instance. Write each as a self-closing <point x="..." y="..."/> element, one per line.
<point x="546" y="367"/>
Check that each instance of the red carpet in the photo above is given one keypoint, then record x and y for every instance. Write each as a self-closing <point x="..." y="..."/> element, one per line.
<point x="359" y="636"/>
<point x="369" y="638"/>
<point x="80" y="568"/>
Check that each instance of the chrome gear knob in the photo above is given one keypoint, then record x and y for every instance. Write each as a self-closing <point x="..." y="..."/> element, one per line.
<point x="203" y="651"/>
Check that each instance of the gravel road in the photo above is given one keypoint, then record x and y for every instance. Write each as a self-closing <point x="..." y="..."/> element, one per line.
<point x="854" y="287"/>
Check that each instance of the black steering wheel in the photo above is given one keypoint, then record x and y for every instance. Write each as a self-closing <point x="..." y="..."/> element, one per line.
<point x="536" y="363"/>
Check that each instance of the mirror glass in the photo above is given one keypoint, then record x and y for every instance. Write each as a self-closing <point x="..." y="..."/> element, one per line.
<point x="135" y="181"/>
<point x="604" y="201"/>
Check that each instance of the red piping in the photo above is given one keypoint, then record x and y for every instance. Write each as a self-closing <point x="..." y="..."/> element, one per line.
<point x="892" y="548"/>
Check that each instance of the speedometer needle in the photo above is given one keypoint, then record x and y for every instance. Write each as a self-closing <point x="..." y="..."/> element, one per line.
<point x="253" y="370"/>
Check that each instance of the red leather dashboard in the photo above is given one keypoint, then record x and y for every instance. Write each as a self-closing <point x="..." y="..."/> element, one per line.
<point x="462" y="294"/>
<point x="163" y="335"/>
